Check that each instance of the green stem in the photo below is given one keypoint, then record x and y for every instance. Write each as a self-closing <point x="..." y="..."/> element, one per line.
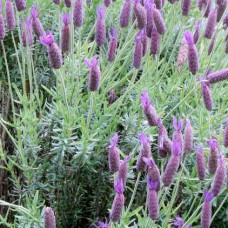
<point x="90" y="113"/>
<point x="8" y="77"/>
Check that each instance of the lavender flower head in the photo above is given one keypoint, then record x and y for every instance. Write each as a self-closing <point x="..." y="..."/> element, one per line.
<point x="57" y="2"/>
<point x="140" y="14"/>
<point x="218" y="76"/>
<point x="225" y="136"/>
<point x="149" y="17"/>
<point x="221" y="9"/>
<point x="211" y="22"/>
<point x="20" y="4"/>
<point x="148" y="109"/>
<point x="125" y="14"/>
<point x="188" y="137"/>
<point x="54" y="53"/>
<point x="113" y="44"/>
<point x="112" y="97"/>
<point x="145" y="152"/>
<point x="10" y="16"/>
<point x="200" y="163"/>
<point x="36" y="24"/>
<point x="78" y="13"/>
<point x="208" y="8"/>
<point x="100" y="30"/>
<point x="102" y="224"/>
<point x="27" y="32"/>
<point x="153" y="199"/>
<point x="177" y="134"/>
<point x="182" y="55"/>
<point x="118" y="203"/>
<point x="67" y="3"/>
<point x="107" y="3"/>
<point x="65" y="33"/>
<point x="159" y="21"/>
<point x="155" y="41"/>
<point x="144" y="41"/>
<point x="94" y="74"/>
<point x="49" y="218"/>
<point x="206" y="209"/>
<point x="197" y="32"/>
<point x="213" y="156"/>
<point x="138" y="51"/>
<point x="193" y="60"/>
<point x="178" y="222"/>
<point x="185" y="6"/>
<point x="206" y="95"/>
<point x="2" y="24"/>
<point x="113" y="154"/>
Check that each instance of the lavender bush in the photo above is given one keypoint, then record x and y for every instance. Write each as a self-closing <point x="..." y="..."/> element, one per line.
<point x="84" y="109"/>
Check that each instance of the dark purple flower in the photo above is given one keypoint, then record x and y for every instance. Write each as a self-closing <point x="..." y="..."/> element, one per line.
<point x="220" y="2"/>
<point x="155" y="41"/>
<point x="57" y="2"/>
<point x="67" y="3"/>
<point x="54" y="53"/>
<point x="213" y="156"/>
<point x="144" y="41"/>
<point x="172" y="165"/>
<point x="78" y="13"/>
<point x="65" y="34"/>
<point x="27" y="32"/>
<point x="221" y="9"/>
<point x="178" y="222"/>
<point x="148" y="109"/>
<point x="138" y="51"/>
<point x="49" y="218"/>
<point x="101" y="224"/>
<point x="208" y="8"/>
<point x="188" y="137"/>
<point x="113" y="44"/>
<point x="177" y="134"/>
<point x="36" y="24"/>
<point x="158" y="4"/>
<point x="218" y="76"/>
<point x="122" y="174"/>
<point x="172" y="1"/>
<point x="100" y="31"/>
<point x="185" y="6"/>
<point x="152" y="199"/>
<point x="153" y="172"/>
<point x="118" y="203"/>
<point x="206" y="209"/>
<point x="211" y="46"/>
<point x="94" y="73"/>
<point x="107" y="3"/>
<point x="112" y="97"/>
<point x="193" y="60"/>
<point x="159" y="21"/>
<point x="145" y="152"/>
<point x="140" y="14"/>
<point x="211" y="22"/>
<point x="200" y="163"/>
<point x="125" y="14"/>
<point x="10" y="17"/>
<point x="149" y="17"/>
<point x="225" y="136"/>
<point x="197" y="32"/>
<point x="20" y="4"/>
<point x="202" y="4"/>
<point x="2" y="24"/>
<point x="114" y="155"/>
<point x="219" y="178"/>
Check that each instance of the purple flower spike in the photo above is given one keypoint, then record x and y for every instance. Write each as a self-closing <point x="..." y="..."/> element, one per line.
<point x="67" y="3"/>
<point x="36" y="24"/>
<point x="107" y="3"/>
<point x="211" y="22"/>
<point x="159" y="21"/>
<point x="138" y="51"/>
<point x="94" y="74"/>
<point x="113" y="44"/>
<point x="225" y="136"/>
<point x="176" y="148"/>
<point x="155" y="41"/>
<point x="10" y="17"/>
<point x="200" y="163"/>
<point x="118" y="203"/>
<point x="65" y="34"/>
<point x="197" y="32"/>
<point x="193" y="60"/>
<point x="182" y="55"/>
<point x="202" y="4"/>
<point x="100" y="30"/>
<point x="149" y="111"/>
<point x="102" y="224"/>
<point x="219" y="178"/>
<point x="206" y="210"/>
<point x="112" y="97"/>
<point x="27" y="32"/>
<point x="213" y="156"/>
<point x="212" y="44"/>
<point x="188" y="137"/>
<point x="125" y="14"/>
<point x="185" y="6"/>
<point x="149" y="17"/>
<point x="206" y="95"/>
<point x="178" y="125"/>
<point x="221" y="9"/>
<point x="144" y="41"/>
<point x="178" y="222"/>
<point x="152" y="199"/>
<point x="140" y="14"/>
<point x="2" y="24"/>
<point x="49" y="218"/>
<point x="208" y="8"/>
<point x="57" y="2"/>
<point x="113" y="154"/>
<point x="54" y="53"/>
<point x="78" y="13"/>
<point x="20" y="4"/>
<point x="218" y="76"/>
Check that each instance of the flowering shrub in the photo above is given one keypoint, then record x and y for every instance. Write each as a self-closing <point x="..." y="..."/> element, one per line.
<point x="114" y="113"/>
